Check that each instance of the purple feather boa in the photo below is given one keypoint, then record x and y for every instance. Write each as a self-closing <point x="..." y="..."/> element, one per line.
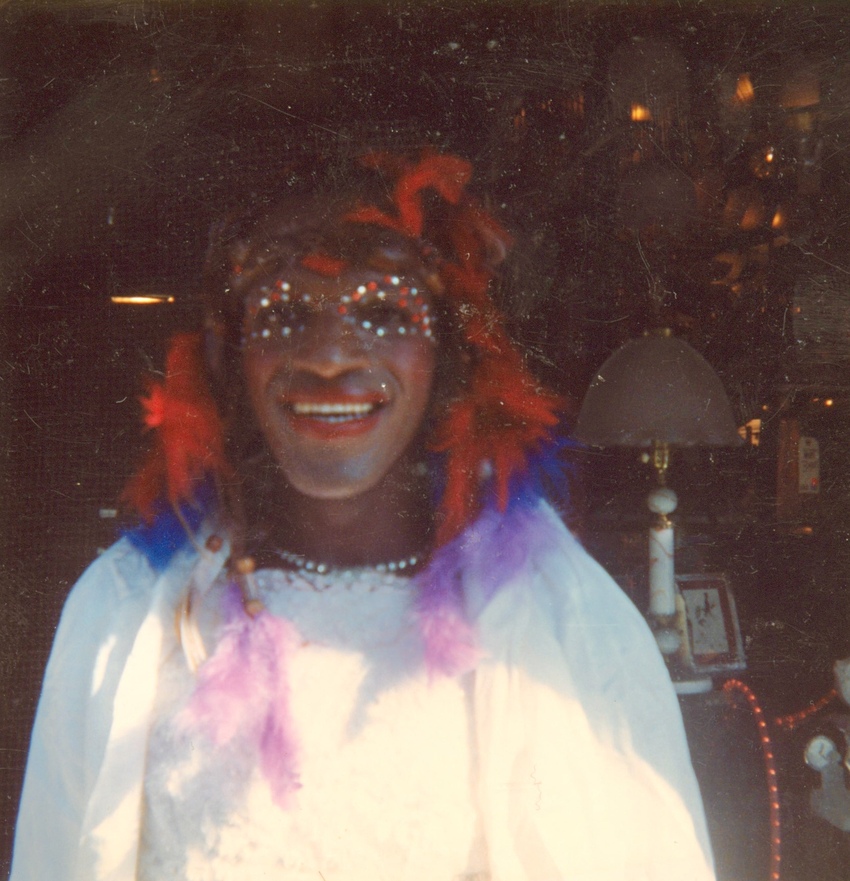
<point x="490" y="553"/>
<point x="242" y="694"/>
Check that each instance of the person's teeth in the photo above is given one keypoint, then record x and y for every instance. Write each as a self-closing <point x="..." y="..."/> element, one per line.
<point x="306" y="408"/>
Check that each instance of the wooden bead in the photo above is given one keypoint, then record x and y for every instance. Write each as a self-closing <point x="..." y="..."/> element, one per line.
<point x="214" y="544"/>
<point x="245" y="565"/>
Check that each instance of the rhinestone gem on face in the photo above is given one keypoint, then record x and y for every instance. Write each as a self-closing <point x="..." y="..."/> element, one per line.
<point x="384" y="309"/>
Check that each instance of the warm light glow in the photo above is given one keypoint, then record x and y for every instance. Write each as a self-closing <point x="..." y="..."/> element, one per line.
<point x="778" y="220"/>
<point x="752" y="217"/>
<point x="744" y="92"/>
<point x="751" y="431"/>
<point x="768" y="157"/>
<point x="641" y="113"/>
<point x="828" y="402"/>
<point x="141" y="299"/>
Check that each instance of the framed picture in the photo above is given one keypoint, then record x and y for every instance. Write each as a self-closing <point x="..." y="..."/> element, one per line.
<point x="713" y="637"/>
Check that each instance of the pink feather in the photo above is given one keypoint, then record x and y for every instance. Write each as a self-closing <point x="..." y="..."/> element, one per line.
<point x="242" y="694"/>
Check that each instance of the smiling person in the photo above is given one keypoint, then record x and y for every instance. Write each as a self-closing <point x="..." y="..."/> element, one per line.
<point x="351" y="640"/>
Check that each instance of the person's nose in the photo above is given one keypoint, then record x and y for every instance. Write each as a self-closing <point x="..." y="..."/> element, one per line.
<point x="330" y="345"/>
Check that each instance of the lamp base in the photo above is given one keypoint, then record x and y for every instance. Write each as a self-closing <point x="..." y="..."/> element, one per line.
<point x="667" y="630"/>
<point x="700" y="685"/>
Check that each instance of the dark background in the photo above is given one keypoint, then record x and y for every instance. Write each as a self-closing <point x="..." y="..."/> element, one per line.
<point x="127" y="128"/>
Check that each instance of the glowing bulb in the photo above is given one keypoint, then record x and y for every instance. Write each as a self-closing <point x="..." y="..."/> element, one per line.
<point x="744" y="92"/>
<point x="641" y="113"/>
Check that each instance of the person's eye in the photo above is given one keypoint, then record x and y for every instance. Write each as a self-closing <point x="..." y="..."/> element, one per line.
<point x="275" y="319"/>
<point x="379" y="314"/>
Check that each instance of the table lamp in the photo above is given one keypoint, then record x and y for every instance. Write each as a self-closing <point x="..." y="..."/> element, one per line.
<point x="655" y="393"/>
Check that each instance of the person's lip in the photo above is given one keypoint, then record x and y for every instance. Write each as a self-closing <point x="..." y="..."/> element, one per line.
<point x="331" y="414"/>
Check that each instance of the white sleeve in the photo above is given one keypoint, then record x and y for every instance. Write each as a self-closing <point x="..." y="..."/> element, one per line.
<point x="584" y="772"/>
<point x="69" y="736"/>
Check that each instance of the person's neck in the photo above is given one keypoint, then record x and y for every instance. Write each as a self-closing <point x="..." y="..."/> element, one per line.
<point x="390" y="522"/>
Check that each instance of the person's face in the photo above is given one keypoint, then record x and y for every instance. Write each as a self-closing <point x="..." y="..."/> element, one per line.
<point x="339" y="372"/>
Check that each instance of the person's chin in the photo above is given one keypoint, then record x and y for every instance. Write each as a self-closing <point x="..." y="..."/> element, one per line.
<point x="324" y="481"/>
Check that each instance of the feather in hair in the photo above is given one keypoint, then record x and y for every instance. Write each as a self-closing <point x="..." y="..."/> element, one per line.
<point x="188" y="435"/>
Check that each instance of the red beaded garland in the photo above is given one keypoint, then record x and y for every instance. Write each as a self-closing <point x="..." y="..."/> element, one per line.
<point x="792" y="720"/>
<point x="770" y="769"/>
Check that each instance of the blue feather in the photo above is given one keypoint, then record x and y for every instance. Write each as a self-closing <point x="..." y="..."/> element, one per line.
<point x="165" y="535"/>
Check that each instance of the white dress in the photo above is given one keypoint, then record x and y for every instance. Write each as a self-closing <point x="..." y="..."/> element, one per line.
<point x="383" y="754"/>
<point x="561" y="756"/>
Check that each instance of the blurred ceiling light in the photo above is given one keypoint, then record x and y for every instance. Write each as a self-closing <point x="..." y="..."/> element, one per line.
<point x="641" y="113"/>
<point x="141" y="299"/>
<point x="744" y="92"/>
<point x="828" y="402"/>
<point x="778" y="220"/>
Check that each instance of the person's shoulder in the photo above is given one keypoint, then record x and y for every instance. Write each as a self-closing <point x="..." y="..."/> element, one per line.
<point x="121" y="585"/>
<point x="551" y="568"/>
<point x="554" y="555"/>
<point x="114" y="583"/>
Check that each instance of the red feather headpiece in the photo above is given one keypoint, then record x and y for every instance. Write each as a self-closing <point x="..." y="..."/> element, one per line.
<point x="188" y="444"/>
